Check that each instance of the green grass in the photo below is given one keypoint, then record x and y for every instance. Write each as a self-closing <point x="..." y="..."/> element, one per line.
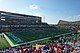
<point x="3" y="43"/>
<point x="11" y="39"/>
<point x="31" y="35"/>
<point x="42" y="41"/>
<point x="45" y="40"/>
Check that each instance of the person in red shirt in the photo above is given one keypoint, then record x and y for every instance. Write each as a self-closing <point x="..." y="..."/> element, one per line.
<point x="52" y="48"/>
<point x="69" y="46"/>
<point x="71" y="49"/>
<point x="58" y="50"/>
<point x="36" y="51"/>
<point x="32" y="49"/>
<point x="22" y="50"/>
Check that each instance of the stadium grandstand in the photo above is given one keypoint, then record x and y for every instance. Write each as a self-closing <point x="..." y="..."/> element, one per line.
<point x="17" y="22"/>
<point x="74" y="25"/>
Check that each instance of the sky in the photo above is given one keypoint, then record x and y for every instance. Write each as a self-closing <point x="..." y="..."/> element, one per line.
<point x="51" y="11"/>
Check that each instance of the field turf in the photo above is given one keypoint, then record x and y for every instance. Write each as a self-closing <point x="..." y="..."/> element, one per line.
<point x="3" y="43"/>
<point x="31" y="35"/>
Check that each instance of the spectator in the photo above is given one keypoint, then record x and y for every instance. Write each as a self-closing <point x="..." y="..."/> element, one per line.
<point x="66" y="50"/>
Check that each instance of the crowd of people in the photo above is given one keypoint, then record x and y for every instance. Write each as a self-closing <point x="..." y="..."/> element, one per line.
<point x="56" y="46"/>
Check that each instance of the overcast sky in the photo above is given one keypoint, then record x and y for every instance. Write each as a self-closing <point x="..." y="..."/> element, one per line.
<point x="52" y="10"/>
